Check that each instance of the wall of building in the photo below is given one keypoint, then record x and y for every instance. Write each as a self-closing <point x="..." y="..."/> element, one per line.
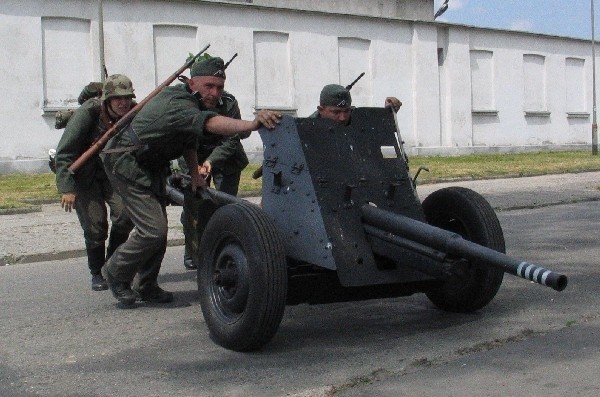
<point x="464" y="89"/>
<point x="502" y="89"/>
<point x="421" y="10"/>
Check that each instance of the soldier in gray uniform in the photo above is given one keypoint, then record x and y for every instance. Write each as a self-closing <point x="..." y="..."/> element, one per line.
<point x="137" y="163"/>
<point x="335" y="103"/>
<point x="222" y="158"/>
<point x="89" y="191"/>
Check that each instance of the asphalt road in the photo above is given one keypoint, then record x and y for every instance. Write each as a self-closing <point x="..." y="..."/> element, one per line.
<point x="59" y="338"/>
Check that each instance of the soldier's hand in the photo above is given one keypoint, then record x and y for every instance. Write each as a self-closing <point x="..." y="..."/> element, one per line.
<point x="393" y="102"/>
<point x="67" y="201"/>
<point x="197" y="182"/>
<point x="205" y="169"/>
<point x="267" y="118"/>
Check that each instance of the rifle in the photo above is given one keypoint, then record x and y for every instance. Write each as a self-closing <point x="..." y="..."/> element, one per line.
<point x="349" y="86"/>
<point x="231" y="60"/>
<point x="124" y="121"/>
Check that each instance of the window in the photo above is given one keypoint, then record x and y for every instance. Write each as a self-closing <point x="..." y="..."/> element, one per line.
<point x="575" y="85"/>
<point x="272" y="68"/>
<point x="482" y="81"/>
<point x="354" y="59"/>
<point x="67" y="61"/>
<point x="172" y="45"/>
<point x="534" y="84"/>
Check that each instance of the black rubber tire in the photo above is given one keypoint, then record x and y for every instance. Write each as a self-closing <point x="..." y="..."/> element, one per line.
<point x="467" y="213"/>
<point x="242" y="279"/>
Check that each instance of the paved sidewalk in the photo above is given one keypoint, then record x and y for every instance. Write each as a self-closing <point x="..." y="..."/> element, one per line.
<point x="53" y="234"/>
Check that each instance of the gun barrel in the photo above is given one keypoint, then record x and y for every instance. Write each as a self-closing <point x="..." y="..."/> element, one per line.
<point x="453" y="244"/>
<point x="176" y="193"/>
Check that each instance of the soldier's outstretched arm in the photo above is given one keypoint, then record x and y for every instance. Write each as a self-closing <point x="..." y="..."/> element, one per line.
<point x="222" y="125"/>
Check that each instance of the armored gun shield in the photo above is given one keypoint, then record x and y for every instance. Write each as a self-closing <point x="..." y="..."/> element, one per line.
<point x="344" y="200"/>
<point x="317" y="174"/>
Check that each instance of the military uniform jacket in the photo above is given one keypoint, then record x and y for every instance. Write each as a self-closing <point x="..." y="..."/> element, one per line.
<point x="225" y="153"/>
<point x="169" y="123"/>
<point x="84" y="127"/>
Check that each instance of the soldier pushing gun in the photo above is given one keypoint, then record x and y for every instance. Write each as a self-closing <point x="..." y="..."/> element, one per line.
<point x="222" y="158"/>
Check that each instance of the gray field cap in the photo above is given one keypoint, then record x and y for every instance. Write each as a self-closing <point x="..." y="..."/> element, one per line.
<point x="335" y="95"/>
<point x="209" y="66"/>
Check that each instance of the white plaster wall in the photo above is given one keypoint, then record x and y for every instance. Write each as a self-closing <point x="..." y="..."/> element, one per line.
<point x="510" y="127"/>
<point x="25" y="132"/>
<point x="406" y="9"/>
<point x="436" y="115"/>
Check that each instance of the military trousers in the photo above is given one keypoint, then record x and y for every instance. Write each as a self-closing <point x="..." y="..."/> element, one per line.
<point x="196" y="211"/>
<point x="91" y="208"/>
<point x="227" y="183"/>
<point x="144" y="250"/>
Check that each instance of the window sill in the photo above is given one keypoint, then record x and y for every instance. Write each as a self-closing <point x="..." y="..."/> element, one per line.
<point x="484" y="112"/>
<point x="537" y="113"/>
<point x="51" y="111"/>
<point x="578" y="115"/>
<point x="281" y="109"/>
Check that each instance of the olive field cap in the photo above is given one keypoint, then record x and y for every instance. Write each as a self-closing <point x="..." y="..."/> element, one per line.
<point x="335" y="95"/>
<point x="208" y="66"/>
<point x="117" y="85"/>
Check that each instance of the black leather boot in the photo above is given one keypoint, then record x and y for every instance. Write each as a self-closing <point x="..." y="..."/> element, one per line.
<point x="95" y="258"/>
<point x="189" y="262"/>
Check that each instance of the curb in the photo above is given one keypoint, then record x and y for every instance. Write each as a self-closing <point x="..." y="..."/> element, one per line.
<point x="58" y="256"/>
<point x="32" y="205"/>
<point x="22" y="210"/>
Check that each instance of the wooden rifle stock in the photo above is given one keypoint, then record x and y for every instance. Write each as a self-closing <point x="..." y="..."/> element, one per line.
<point x="124" y="121"/>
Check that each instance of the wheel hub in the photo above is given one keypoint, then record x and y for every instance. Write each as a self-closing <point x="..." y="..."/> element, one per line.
<point x="230" y="280"/>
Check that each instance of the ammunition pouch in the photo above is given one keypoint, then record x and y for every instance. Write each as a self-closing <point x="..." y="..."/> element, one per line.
<point x="149" y="157"/>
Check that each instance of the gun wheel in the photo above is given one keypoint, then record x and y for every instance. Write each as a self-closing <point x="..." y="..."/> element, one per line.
<point x="242" y="279"/>
<point x="467" y="213"/>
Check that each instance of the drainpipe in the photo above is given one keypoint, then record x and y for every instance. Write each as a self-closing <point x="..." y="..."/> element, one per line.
<point x="101" y="41"/>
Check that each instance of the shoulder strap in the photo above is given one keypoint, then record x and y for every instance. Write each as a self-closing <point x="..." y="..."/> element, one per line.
<point x="135" y="139"/>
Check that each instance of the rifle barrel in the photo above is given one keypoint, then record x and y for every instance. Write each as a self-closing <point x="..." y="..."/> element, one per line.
<point x="349" y="86"/>
<point x="231" y="60"/>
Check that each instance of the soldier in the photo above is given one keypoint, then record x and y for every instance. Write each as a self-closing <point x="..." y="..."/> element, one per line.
<point x="335" y="103"/>
<point x="89" y="190"/>
<point x="222" y="157"/>
<point x="137" y="163"/>
<point x="92" y="90"/>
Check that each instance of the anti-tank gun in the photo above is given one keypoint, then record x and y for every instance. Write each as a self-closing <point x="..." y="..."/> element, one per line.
<point x="341" y="221"/>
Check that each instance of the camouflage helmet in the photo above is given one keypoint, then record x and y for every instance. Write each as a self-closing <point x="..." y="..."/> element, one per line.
<point x="117" y="85"/>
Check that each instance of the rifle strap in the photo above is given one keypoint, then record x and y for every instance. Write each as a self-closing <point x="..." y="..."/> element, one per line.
<point x="135" y="139"/>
